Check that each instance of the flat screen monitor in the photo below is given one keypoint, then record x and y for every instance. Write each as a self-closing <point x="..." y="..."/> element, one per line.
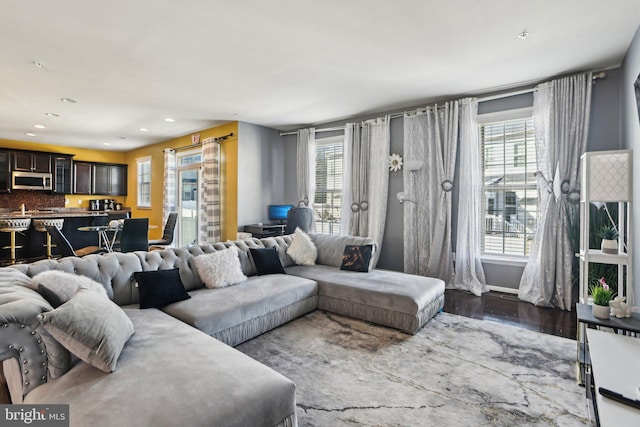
<point x="278" y="212"/>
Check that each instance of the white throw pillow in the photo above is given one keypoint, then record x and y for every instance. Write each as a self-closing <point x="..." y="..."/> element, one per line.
<point x="220" y="268"/>
<point x="302" y="250"/>
<point x="64" y="285"/>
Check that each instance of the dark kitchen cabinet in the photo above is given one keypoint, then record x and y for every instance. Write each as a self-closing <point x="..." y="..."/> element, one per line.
<point x="82" y="177"/>
<point x="27" y="161"/>
<point x="62" y="174"/>
<point x="110" y="180"/>
<point x="5" y="174"/>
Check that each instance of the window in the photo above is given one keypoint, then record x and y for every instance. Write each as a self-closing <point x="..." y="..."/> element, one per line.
<point x="510" y="201"/>
<point x="144" y="182"/>
<point x="328" y="198"/>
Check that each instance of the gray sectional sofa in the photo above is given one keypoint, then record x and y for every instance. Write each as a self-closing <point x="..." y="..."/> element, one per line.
<point x="171" y="372"/>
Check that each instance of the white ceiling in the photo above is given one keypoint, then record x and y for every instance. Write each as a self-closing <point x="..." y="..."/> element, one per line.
<point x="279" y="63"/>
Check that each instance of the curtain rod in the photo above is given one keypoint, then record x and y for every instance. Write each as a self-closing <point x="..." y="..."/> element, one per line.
<point x="199" y="144"/>
<point x="600" y="75"/>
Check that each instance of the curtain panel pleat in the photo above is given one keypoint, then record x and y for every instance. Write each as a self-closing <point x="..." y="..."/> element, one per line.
<point x="306" y="166"/>
<point x="562" y="109"/>
<point x="368" y="146"/>
<point x="469" y="274"/>
<point x="169" y="188"/>
<point x="430" y="136"/>
<point x="210" y="228"/>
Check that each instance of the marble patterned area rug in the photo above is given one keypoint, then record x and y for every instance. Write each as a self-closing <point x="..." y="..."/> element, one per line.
<point x="456" y="371"/>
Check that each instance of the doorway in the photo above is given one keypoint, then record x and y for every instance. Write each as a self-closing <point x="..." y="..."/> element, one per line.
<point x="188" y="197"/>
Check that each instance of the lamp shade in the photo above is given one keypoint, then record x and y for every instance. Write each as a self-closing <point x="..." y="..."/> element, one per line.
<point x="607" y="176"/>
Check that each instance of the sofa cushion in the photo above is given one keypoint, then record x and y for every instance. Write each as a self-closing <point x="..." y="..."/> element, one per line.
<point x="57" y="287"/>
<point x="267" y="261"/>
<point x="220" y="269"/>
<point x="302" y="250"/>
<point x="357" y="258"/>
<point x="160" y="288"/>
<point x="331" y="247"/>
<point x="171" y="374"/>
<point x="385" y="289"/>
<point x="214" y="310"/>
<point x="90" y="326"/>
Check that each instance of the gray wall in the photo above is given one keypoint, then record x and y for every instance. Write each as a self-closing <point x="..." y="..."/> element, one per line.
<point x="604" y="135"/>
<point x="630" y="130"/>
<point x="260" y="172"/>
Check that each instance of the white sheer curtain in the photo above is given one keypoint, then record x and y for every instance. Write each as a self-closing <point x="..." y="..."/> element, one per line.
<point x="561" y="119"/>
<point x="306" y="166"/>
<point x="368" y="145"/>
<point x="210" y="193"/>
<point x="469" y="272"/>
<point x="430" y="136"/>
<point x="169" y="188"/>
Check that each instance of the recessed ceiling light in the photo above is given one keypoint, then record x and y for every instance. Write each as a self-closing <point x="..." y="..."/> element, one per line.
<point x="69" y="100"/>
<point x="169" y="119"/>
<point x="144" y="130"/>
<point x="523" y="35"/>
<point x="39" y="126"/>
<point x="52" y="114"/>
<point x="38" y="64"/>
<point x="30" y="134"/>
<point x="106" y="143"/>
<point x="122" y="137"/>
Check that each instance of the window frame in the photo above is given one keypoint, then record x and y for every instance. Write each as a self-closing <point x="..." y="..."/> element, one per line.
<point x="140" y="203"/>
<point x="492" y="118"/>
<point x="331" y="140"/>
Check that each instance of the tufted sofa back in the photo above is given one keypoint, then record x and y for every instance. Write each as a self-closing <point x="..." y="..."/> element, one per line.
<point x="115" y="270"/>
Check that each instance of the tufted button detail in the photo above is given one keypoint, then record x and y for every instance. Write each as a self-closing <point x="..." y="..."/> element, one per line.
<point x="33" y="332"/>
<point x="22" y="326"/>
<point x="10" y="347"/>
<point x="6" y="325"/>
<point x="27" y="383"/>
<point x="21" y="349"/>
<point x="44" y="364"/>
<point x="26" y="371"/>
<point x="41" y="351"/>
<point x="24" y="362"/>
<point x="39" y="341"/>
<point x="43" y="377"/>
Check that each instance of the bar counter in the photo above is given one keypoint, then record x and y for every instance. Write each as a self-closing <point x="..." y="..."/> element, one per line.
<point x="33" y="241"/>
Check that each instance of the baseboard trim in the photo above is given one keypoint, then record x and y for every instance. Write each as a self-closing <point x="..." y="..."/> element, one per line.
<point x="503" y="289"/>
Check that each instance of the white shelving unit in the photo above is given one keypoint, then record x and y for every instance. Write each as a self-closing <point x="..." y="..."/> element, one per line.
<point x="607" y="177"/>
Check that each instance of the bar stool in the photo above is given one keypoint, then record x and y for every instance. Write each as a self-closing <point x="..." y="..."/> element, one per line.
<point x="41" y="224"/>
<point x="12" y="226"/>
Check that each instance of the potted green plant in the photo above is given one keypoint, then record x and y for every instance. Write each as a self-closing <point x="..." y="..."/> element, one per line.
<point x="609" y="236"/>
<point x="601" y="294"/>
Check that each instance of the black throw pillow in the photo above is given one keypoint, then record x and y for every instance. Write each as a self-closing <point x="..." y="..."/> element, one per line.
<point x="51" y="297"/>
<point x="267" y="261"/>
<point x="356" y="258"/>
<point x="160" y="288"/>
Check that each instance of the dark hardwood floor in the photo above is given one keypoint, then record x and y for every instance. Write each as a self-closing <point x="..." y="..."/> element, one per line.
<point x="509" y="310"/>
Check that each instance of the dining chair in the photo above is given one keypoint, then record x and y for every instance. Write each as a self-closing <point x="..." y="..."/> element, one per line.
<point x="134" y="235"/>
<point x="64" y="246"/>
<point x="299" y="216"/>
<point x="167" y="234"/>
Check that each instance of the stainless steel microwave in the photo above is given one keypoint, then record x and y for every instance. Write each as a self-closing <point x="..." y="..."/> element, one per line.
<point x="31" y="181"/>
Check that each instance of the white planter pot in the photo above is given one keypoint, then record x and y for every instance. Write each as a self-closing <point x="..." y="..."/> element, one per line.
<point x="601" y="311"/>
<point x="609" y="246"/>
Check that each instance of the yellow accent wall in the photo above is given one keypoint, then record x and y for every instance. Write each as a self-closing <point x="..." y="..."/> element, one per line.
<point x="228" y="175"/>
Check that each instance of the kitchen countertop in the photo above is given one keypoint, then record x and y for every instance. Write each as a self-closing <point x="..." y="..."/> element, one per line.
<point x="50" y="213"/>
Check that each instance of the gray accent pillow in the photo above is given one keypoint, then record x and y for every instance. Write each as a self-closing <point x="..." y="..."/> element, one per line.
<point x="63" y="285"/>
<point x="90" y="326"/>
